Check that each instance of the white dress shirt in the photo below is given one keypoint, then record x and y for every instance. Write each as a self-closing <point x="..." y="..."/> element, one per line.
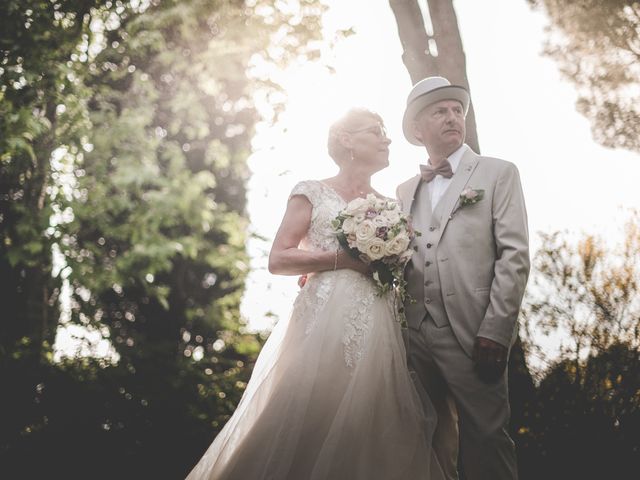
<point x="438" y="186"/>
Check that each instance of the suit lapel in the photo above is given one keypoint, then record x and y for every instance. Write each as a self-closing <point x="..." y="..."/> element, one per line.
<point x="448" y="202"/>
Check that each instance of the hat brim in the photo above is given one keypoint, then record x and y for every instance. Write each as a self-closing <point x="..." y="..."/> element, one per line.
<point x="448" y="92"/>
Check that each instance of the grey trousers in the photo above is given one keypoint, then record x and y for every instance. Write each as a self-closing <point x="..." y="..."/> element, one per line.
<point x="473" y="416"/>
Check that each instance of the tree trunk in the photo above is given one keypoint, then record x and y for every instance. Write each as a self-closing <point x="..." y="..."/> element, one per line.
<point x="416" y="56"/>
<point x="451" y="58"/>
<point x="437" y="52"/>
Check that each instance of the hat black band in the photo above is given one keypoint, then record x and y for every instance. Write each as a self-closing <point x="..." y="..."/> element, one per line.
<point x="437" y="89"/>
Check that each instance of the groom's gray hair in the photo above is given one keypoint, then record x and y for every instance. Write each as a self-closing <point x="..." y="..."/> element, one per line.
<point x="349" y="121"/>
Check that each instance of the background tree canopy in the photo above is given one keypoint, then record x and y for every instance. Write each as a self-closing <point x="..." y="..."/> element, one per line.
<point x="584" y="423"/>
<point x="596" y="44"/>
<point x="125" y="130"/>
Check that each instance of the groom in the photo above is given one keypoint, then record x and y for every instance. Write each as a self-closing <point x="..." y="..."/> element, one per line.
<point x="467" y="278"/>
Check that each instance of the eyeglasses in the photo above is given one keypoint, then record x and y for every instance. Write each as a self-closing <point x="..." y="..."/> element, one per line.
<point x="378" y="130"/>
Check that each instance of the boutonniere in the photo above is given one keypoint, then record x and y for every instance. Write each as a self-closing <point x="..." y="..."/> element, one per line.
<point x="468" y="196"/>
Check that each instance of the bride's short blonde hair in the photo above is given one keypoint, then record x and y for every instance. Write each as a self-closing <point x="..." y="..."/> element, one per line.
<point x="351" y="120"/>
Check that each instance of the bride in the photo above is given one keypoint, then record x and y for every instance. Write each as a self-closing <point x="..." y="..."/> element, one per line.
<point x="330" y="396"/>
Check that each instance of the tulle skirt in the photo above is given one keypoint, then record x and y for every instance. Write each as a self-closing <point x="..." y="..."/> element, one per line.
<point x="330" y="396"/>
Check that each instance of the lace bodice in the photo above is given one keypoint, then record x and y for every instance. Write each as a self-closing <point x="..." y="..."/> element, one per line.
<point x="357" y="292"/>
<point x="327" y="204"/>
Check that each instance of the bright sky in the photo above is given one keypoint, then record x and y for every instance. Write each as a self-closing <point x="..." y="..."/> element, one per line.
<point x="524" y="110"/>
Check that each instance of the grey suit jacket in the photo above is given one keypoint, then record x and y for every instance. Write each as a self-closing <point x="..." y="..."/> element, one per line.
<point x="472" y="262"/>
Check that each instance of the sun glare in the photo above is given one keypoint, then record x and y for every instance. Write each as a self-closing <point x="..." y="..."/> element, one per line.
<point x="294" y="148"/>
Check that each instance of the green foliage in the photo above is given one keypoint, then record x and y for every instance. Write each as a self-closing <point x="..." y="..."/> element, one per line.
<point x="596" y="44"/>
<point x="584" y="421"/>
<point x="124" y="136"/>
<point x="37" y="78"/>
<point x="585" y="291"/>
<point x="83" y="420"/>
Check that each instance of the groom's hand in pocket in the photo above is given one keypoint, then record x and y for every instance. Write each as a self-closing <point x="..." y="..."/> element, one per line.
<point x="490" y="359"/>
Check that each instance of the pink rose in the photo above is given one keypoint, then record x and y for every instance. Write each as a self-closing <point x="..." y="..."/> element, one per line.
<point x="470" y="193"/>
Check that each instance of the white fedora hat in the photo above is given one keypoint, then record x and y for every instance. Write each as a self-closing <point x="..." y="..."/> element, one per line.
<point x="426" y="92"/>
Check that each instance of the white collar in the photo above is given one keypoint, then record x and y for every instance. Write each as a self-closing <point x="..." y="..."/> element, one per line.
<point x="455" y="157"/>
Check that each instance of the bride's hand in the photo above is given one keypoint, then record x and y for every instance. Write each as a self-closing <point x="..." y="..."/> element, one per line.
<point x="345" y="260"/>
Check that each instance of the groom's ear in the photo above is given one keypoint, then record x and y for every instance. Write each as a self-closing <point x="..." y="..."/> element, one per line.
<point x="416" y="131"/>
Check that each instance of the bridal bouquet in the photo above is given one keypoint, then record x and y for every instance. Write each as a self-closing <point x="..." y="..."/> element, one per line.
<point x="377" y="232"/>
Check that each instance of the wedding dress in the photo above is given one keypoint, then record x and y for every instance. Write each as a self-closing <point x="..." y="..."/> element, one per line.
<point x="330" y="396"/>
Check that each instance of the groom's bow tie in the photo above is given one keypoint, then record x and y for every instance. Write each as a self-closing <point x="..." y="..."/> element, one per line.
<point x="429" y="172"/>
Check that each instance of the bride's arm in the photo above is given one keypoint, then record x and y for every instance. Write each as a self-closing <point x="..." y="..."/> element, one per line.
<point x="286" y="258"/>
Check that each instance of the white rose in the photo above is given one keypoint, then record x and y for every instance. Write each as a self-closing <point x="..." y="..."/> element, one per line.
<point x="357" y="205"/>
<point x="380" y="221"/>
<point x="359" y="217"/>
<point x="380" y="203"/>
<point x="397" y="244"/>
<point x="392" y="216"/>
<point x="365" y="231"/>
<point x="349" y="225"/>
<point x="374" y="248"/>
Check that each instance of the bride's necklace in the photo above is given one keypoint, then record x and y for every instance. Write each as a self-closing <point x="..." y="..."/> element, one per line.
<point x="351" y="192"/>
<point x="360" y="193"/>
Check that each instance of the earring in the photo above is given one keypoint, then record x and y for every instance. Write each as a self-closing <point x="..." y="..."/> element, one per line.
<point x="351" y="152"/>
